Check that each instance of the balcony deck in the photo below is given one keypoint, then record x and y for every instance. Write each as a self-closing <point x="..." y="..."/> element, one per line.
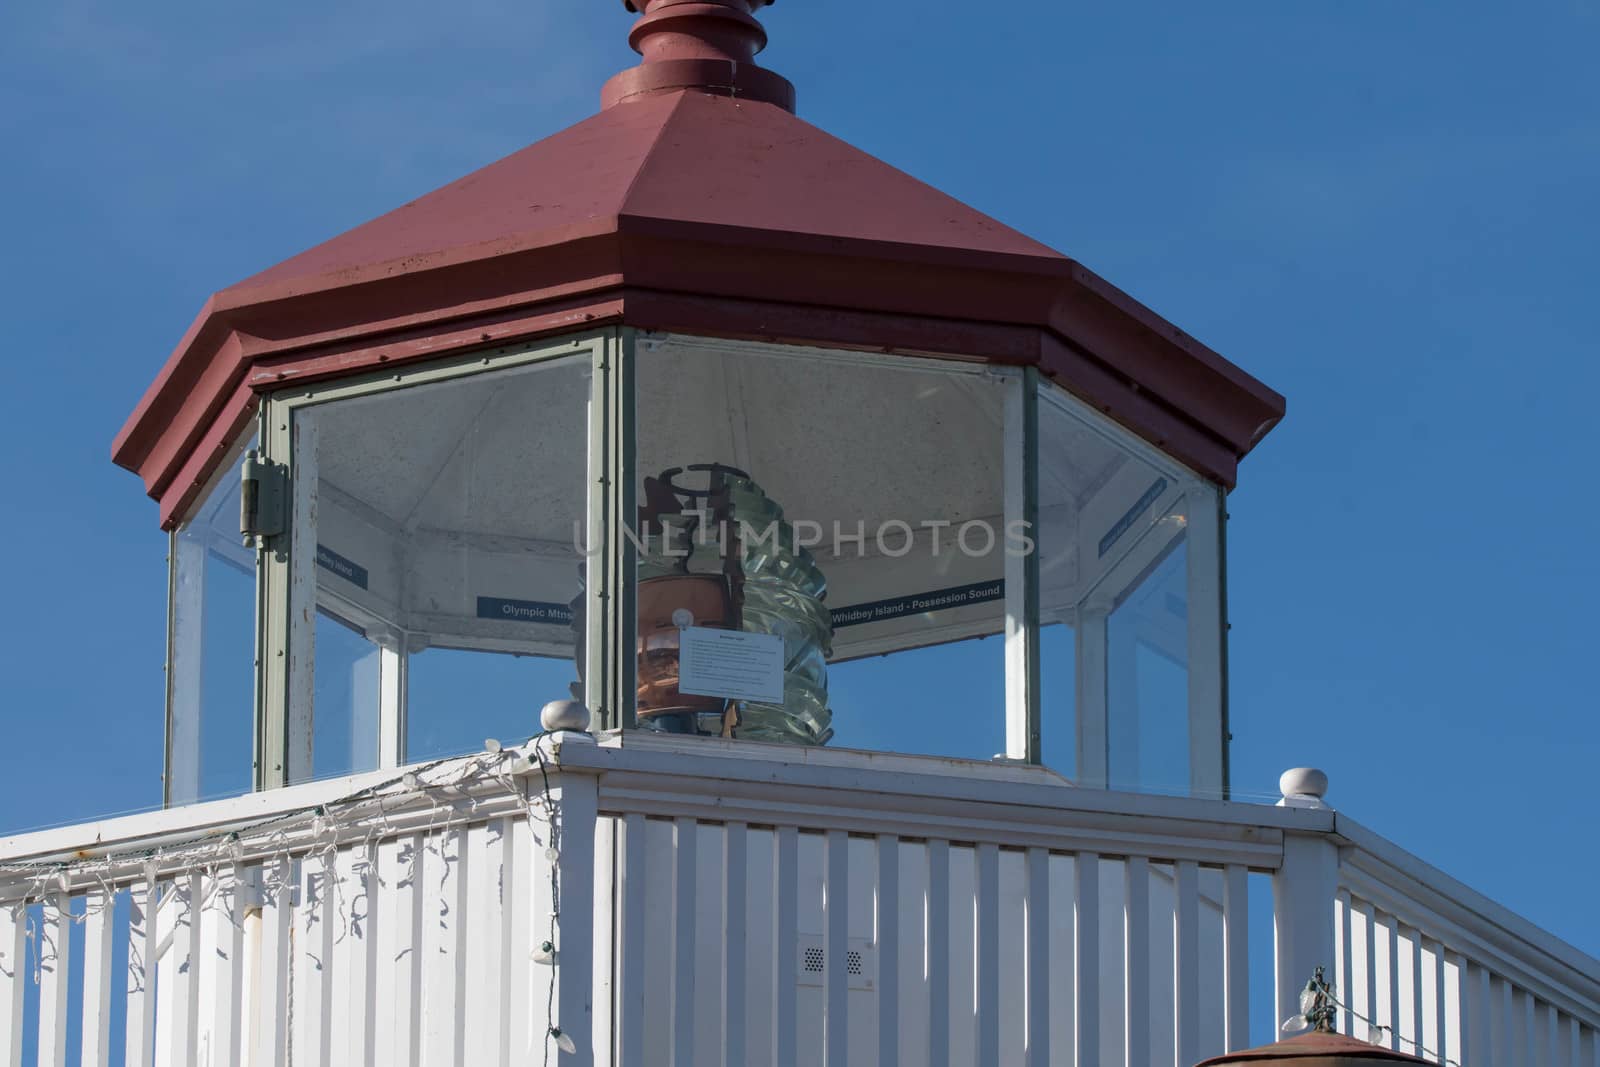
<point x="710" y="902"/>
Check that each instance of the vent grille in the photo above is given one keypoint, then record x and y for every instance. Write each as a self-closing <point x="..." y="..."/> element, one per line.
<point x="860" y="962"/>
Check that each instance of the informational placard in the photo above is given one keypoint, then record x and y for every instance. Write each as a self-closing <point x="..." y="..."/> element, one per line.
<point x="731" y="664"/>
<point x="495" y="607"/>
<point x="352" y="572"/>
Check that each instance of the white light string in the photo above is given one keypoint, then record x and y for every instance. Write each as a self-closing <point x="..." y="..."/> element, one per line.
<point x="1325" y="991"/>
<point x="268" y="841"/>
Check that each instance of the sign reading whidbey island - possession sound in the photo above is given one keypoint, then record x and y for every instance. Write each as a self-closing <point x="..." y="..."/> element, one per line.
<point x="959" y="596"/>
<point x="731" y="664"/>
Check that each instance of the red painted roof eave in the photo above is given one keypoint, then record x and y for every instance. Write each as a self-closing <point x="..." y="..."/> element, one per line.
<point x="1087" y="315"/>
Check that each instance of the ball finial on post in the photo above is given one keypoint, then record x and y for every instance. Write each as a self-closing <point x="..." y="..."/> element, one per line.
<point x="564" y="715"/>
<point x="1302" y="787"/>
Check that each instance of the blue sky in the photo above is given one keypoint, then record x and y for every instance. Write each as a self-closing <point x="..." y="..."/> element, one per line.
<point x="1385" y="211"/>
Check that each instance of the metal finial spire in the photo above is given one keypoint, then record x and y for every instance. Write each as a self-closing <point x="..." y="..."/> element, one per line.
<point x="704" y="45"/>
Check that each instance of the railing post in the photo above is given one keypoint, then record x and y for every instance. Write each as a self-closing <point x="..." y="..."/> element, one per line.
<point x="1303" y="891"/>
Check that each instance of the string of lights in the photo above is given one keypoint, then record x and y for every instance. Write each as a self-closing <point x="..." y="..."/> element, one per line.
<point x="1319" y="1005"/>
<point x="451" y="789"/>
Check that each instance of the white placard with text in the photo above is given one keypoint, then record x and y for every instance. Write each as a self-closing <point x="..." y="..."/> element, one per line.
<point x="730" y="663"/>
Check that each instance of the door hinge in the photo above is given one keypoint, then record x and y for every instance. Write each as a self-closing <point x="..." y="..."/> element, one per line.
<point x="263" y="498"/>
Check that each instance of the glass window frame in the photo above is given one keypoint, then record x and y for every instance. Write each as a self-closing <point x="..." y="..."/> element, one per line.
<point x="177" y="666"/>
<point x="284" y="704"/>
<point x="1204" y="534"/>
<point x="1202" y="503"/>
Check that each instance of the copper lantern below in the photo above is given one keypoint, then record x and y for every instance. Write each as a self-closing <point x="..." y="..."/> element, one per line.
<point x="1316" y="1049"/>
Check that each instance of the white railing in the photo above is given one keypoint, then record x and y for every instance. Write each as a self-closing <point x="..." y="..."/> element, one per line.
<point x="1434" y="969"/>
<point x="349" y="922"/>
<point x="730" y="904"/>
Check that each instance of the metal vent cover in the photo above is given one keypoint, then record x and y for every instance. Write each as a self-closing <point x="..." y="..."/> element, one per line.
<point x="861" y="962"/>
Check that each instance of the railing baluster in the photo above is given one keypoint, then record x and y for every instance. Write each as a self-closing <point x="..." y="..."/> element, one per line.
<point x="98" y="928"/>
<point x="220" y="962"/>
<point x="269" y="1028"/>
<point x="1475" y="1014"/>
<point x="788" y="932"/>
<point x="1369" y="1006"/>
<point x="1391" y="936"/>
<point x="836" y="952"/>
<point x="1418" y="1007"/>
<point x="1501" y="1008"/>
<point x="1441" y="1015"/>
<point x="938" y="953"/>
<point x="177" y="980"/>
<point x="443" y="959"/>
<point x="526" y="888"/>
<point x="354" y="963"/>
<point x="1038" y="942"/>
<point x="735" y="961"/>
<point x="1187" y="962"/>
<point x="1236" y="954"/>
<point x="399" y="946"/>
<point x="1523" y="1034"/>
<point x="630" y="944"/>
<point x="683" y="917"/>
<point x="55" y="966"/>
<point x="1136" y="935"/>
<point x="1344" y="963"/>
<point x="987" y="938"/>
<point x="13" y="973"/>
<point x="1087" y="969"/>
<point x="311" y="989"/>
<point x="888" y="932"/>
<point x="141" y="1008"/>
<point x="484" y="941"/>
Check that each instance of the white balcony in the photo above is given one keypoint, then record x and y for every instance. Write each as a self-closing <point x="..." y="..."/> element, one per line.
<point x="701" y="898"/>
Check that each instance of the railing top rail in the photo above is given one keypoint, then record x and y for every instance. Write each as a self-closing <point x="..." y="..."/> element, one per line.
<point x="1464" y="920"/>
<point x="271" y="823"/>
<point x="1004" y="803"/>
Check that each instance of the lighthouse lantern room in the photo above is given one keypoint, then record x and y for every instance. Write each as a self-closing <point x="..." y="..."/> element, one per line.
<point x="714" y="423"/>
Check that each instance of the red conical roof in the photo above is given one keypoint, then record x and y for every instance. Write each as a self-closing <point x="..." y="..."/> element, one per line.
<point x="685" y="207"/>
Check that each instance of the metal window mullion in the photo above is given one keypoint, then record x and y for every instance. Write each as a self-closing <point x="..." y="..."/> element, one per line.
<point x="1022" y="595"/>
<point x="610" y="588"/>
<point x="272" y="621"/>
<point x="392" y="683"/>
<point x="1207" y="641"/>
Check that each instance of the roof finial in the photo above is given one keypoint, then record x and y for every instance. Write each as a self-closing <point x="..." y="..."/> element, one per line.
<point x="705" y="45"/>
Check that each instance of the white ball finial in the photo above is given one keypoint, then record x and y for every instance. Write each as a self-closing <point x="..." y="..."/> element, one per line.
<point x="565" y="715"/>
<point x="1302" y="787"/>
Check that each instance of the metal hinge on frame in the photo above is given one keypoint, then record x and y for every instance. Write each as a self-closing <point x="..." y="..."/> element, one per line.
<point x="263" y="499"/>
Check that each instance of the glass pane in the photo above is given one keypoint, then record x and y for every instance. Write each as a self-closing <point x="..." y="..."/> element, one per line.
<point x="1113" y="585"/>
<point x="345" y="726"/>
<point x="1148" y="681"/>
<point x="445" y="528"/>
<point x="459" y="698"/>
<point x="1058" y="686"/>
<point x="211" y="726"/>
<point x="844" y="516"/>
